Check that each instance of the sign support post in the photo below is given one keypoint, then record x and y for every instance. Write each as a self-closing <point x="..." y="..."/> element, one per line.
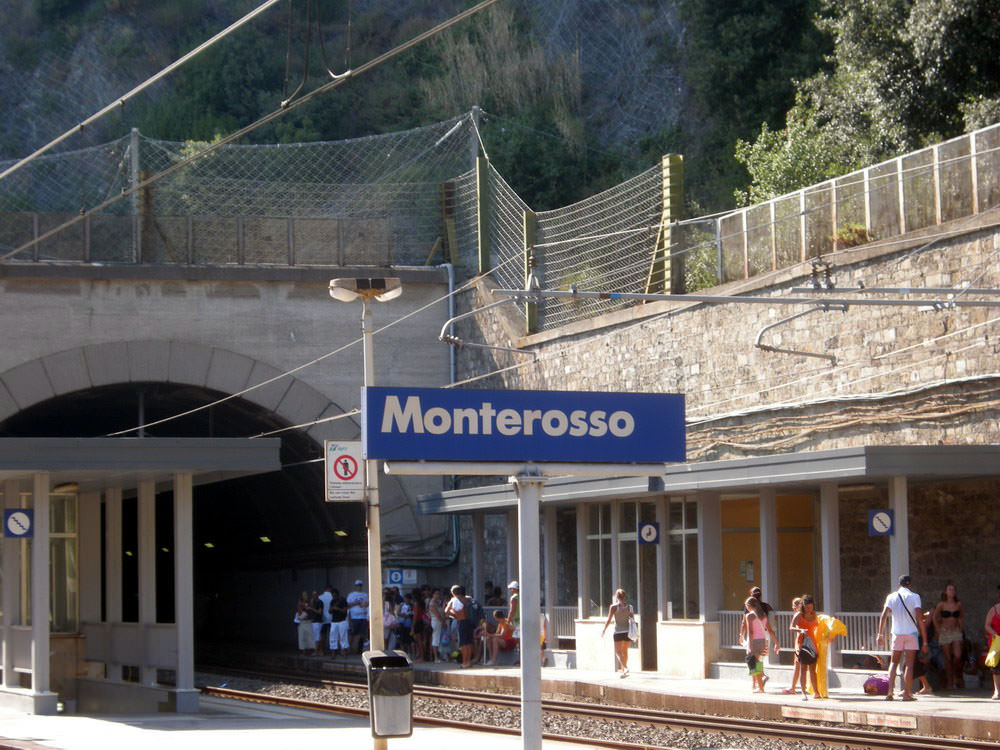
<point x="529" y="496"/>
<point x="376" y="638"/>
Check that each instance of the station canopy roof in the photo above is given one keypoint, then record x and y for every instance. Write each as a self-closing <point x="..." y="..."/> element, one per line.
<point x="98" y="463"/>
<point x="788" y="472"/>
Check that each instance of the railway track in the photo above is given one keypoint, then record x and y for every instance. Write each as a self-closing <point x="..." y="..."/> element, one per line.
<point x="779" y="731"/>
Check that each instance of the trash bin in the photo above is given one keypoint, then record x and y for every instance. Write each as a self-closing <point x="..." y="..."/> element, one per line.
<point x="390" y="692"/>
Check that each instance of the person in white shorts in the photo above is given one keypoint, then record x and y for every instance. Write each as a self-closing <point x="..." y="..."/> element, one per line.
<point x="908" y="634"/>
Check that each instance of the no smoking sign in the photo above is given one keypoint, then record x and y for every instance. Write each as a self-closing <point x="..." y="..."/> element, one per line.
<point x="345" y="481"/>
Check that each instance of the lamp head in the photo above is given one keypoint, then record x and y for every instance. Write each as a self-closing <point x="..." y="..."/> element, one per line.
<point x="381" y="288"/>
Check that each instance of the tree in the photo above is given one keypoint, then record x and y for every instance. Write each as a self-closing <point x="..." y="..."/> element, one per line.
<point x="903" y="73"/>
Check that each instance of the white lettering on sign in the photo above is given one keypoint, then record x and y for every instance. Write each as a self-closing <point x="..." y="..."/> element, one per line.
<point x="410" y="417"/>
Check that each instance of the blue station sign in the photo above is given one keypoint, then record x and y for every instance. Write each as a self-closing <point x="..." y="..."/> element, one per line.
<point x="431" y="424"/>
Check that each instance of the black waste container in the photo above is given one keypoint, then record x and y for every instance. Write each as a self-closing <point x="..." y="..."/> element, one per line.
<point x="390" y="692"/>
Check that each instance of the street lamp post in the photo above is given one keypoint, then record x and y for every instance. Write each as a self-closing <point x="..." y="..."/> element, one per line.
<point x="381" y="289"/>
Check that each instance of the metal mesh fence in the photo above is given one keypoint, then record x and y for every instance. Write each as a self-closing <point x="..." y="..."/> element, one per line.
<point x="413" y="198"/>
<point x="365" y="201"/>
<point x="951" y="180"/>
<point x="605" y="243"/>
<point x="507" y="233"/>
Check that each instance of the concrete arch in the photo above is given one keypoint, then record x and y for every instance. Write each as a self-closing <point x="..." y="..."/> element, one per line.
<point x="177" y="362"/>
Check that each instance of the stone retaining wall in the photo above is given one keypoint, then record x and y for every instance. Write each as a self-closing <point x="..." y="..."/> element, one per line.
<point x="901" y="375"/>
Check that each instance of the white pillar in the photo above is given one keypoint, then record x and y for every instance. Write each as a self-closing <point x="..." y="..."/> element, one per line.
<point x="112" y="574"/>
<point x="709" y="556"/>
<point x="829" y="525"/>
<point x="529" y="492"/>
<point x="582" y="562"/>
<point x="551" y="560"/>
<point x="478" y="562"/>
<point x="90" y="557"/>
<point x="187" y="696"/>
<point x="899" y="542"/>
<point x="40" y="585"/>
<point x="663" y="560"/>
<point x="512" y="574"/>
<point x="11" y="586"/>
<point x="769" y="581"/>
<point x="147" y="577"/>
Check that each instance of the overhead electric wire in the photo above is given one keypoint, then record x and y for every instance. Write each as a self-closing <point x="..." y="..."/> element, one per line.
<point x="142" y="86"/>
<point x="820" y="373"/>
<point x="334" y="418"/>
<point x="236" y="135"/>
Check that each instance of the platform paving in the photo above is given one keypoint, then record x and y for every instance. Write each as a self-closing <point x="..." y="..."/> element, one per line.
<point x="223" y="723"/>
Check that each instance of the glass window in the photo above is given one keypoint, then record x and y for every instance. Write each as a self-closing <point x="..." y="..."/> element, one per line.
<point x="62" y="514"/>
<point x="64" y="573"/>
<point x="64" y="581"/>
<point x="684" y="558"/>
<point x="599" y="544"/>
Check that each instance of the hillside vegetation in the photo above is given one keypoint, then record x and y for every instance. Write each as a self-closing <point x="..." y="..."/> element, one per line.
<point x="759" y="95"/>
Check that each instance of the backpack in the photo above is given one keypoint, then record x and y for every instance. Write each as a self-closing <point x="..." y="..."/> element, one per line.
<point x="474" y="612"/>
<point x="807" y="652"/>
<point x="877" y="685"/>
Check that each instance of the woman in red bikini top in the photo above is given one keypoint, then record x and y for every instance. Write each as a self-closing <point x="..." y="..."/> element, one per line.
<point x="992" y="629"/>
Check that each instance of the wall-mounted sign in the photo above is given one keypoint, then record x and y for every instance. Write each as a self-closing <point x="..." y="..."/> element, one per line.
<point x="648" y="533"/>
<point x="18" y="522"/>
<point x="880" y="523"/>
<point x="427" y="424"/>
<point x="401" y="577"/>
<point x="345" y="471"/>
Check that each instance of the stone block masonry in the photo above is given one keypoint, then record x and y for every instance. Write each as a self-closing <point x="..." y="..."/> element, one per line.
<point x="900" y="375"/>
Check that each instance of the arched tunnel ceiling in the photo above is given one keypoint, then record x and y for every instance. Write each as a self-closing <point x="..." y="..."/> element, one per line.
<point x="287" y="507"/>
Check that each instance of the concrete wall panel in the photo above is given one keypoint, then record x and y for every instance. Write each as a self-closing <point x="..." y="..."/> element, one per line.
<point x="348" y="428"/>
<point x="188" y="363"/>
<point x="8" y="406"/>
<point x="107" y="363"/>
<point x="302" y="404"/>
<point x="148" y="361"/>
<point x="270" y="395"/>
<point x="28" y="384"/>
<point x="228" y="371"/>
<point x="68" y="371"/>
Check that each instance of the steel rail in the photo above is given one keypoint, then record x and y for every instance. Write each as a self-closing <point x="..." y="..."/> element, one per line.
<point x="272" y="700"/>
<point x="782" y="730"/>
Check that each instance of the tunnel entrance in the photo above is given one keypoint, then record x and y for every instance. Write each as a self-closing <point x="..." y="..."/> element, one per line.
<point x="262" y="526"/>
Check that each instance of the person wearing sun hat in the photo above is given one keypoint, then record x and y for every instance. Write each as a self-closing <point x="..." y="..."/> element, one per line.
<point x="514" y="610"/>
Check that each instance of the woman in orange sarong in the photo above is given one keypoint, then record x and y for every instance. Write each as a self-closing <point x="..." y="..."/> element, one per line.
<point x="804" y="623"/>
<point x="822" y="629"/>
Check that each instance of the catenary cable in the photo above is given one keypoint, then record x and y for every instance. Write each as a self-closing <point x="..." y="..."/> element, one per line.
<point x="301" y="367"/>
<point x="142" y="86"/>
<point x="236" y="135"/>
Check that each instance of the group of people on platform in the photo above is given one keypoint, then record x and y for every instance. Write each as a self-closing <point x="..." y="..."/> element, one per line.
<point x="327" y="619"/>
<point x="422" y="622"/>
<point x="917" y="639"/>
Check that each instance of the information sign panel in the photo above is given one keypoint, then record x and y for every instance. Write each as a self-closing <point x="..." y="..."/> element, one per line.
<point x="345" y="471"/>
<point x="427" y="424"/>
<point x="18" y="523"/>
<point x="880" y="523"/>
